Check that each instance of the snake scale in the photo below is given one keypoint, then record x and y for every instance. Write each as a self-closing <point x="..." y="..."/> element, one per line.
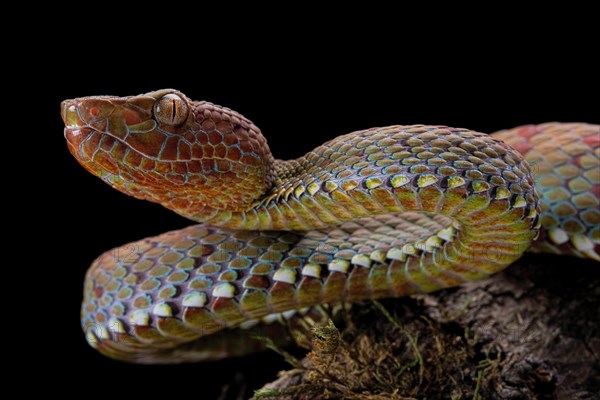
<point x="382" y="212"/>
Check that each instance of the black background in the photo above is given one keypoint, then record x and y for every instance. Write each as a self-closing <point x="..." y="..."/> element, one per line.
<point x="299" y="96"/>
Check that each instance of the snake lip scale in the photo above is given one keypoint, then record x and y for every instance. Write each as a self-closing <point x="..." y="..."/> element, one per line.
<point x="382" y="212"/>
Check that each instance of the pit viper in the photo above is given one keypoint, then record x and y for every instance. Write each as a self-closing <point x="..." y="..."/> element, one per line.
<point x="382" y="212"/>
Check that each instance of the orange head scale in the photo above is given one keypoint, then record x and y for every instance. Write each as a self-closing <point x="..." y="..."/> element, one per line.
<point x="188" y="156"/>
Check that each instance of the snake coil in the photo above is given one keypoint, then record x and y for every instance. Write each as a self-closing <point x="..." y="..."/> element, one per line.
<point x="382" y="212"/>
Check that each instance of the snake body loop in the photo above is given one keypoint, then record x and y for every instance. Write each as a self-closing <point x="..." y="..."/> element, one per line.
<point x="383" y="212"/>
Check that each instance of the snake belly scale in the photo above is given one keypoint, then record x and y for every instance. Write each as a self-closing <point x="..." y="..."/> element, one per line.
<point x="383" y="212"/>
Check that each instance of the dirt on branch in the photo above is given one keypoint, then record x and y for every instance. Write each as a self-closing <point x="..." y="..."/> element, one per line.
<point x="530" y="332"/>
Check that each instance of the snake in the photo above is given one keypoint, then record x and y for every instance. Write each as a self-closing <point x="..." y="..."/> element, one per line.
<point x="377" y="213"/>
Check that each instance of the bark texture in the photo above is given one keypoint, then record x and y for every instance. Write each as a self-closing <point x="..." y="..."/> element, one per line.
<point x="530" y="332"/>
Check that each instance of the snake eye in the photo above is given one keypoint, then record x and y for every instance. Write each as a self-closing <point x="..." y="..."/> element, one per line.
<point x="171" y="110"/>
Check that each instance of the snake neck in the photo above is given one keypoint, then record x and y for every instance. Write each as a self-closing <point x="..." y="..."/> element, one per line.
<point x="277" y="208"/>
<point x="375" y="172"/>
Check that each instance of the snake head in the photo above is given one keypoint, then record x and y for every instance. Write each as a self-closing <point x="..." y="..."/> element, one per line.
<point x="161" y="146"/>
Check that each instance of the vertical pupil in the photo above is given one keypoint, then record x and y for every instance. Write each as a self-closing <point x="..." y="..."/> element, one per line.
<point x="173" y="110"/>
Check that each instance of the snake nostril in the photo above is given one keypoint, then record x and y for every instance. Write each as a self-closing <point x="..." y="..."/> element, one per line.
<point x="94" y="111"/>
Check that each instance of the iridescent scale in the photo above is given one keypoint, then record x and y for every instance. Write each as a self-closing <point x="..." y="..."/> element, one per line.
<point x="383" y="212"/>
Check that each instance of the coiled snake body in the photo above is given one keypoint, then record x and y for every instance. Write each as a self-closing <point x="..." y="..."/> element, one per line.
<point x="377" y="213"/>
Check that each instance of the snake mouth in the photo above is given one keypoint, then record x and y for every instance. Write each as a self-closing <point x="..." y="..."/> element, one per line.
<point x="80" y="127"/>
<point x="68" y="111"/>
<point x="71" y="119"/>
